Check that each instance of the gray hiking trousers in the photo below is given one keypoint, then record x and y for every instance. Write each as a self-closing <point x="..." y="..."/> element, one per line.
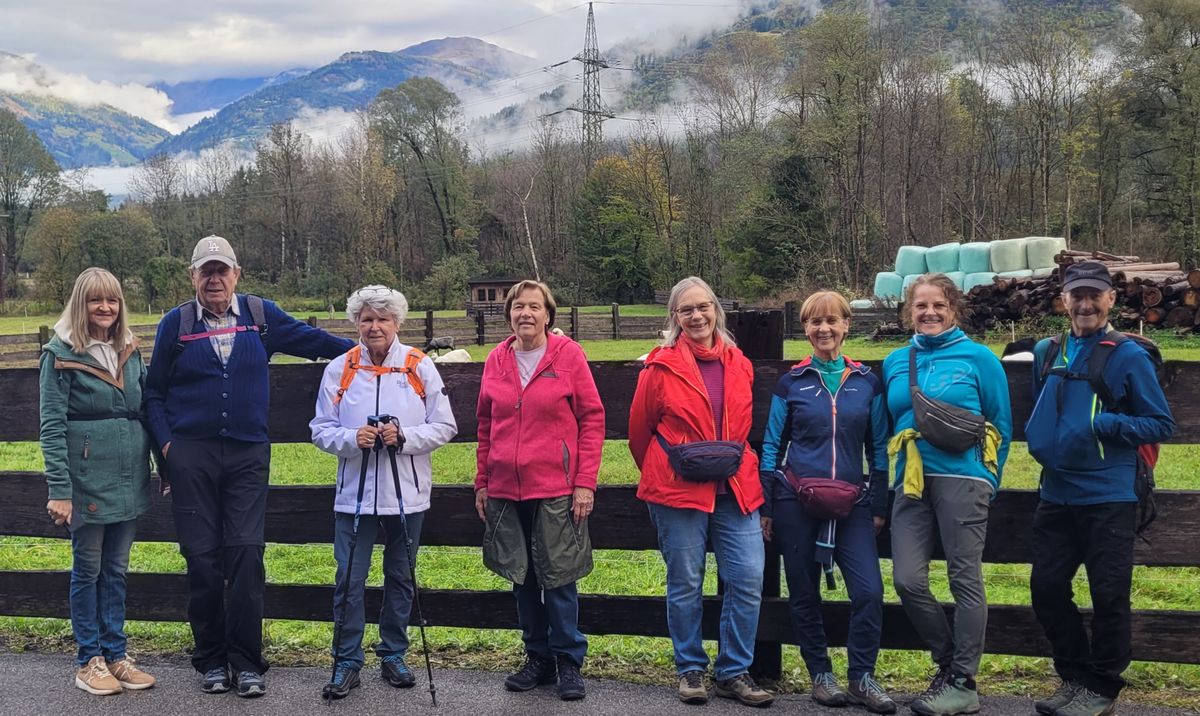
<point x="957" y="509"/>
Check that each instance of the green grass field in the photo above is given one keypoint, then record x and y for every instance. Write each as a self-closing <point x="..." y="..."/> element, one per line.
<point x="617" y="572"/>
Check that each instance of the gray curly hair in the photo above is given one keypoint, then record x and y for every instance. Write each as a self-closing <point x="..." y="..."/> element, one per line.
<point x="380" y="299"/>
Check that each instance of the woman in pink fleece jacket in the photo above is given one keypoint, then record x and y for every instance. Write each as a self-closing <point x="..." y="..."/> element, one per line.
<point x="541" y="432"/>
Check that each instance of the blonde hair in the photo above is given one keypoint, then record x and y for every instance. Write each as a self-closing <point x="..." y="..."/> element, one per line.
<point x="526" y="285"/>
<point x="92" y="283"/>
<point x="938" y="280"/>
<point x="673" y="330"/>
<point x="825" y="303"/>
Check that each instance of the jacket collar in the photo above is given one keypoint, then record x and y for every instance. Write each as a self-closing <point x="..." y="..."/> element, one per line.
<point x="807" y="365"/>
<point x="392" y="357"/>
<point x="65" y="359"/>
<point x="554" y="345"/>
<point x="948" y="337"/>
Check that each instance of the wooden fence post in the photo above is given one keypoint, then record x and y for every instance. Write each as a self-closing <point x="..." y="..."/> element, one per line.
<point x="480" y="328"/>
<point x="428" y="325"/>
<point x="43" y="335"/>
<point x="312" y="321"/>
<point x="790" y="315"/>
<point x="575" y="323"/>
<point x="616" y="318"/>
<point x="758" y="333"/>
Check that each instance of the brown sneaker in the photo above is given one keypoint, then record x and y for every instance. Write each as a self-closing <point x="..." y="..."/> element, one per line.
<point x="95" y="678"/>
<point x="692" y="689"/>
<point x="129" y="675"/>
<point x="867" y="692"/>
<point x="743" y="688"/>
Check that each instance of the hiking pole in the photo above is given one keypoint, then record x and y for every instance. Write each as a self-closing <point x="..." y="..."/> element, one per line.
<point x="341" y="615"/>
<point x="412" y="565"/>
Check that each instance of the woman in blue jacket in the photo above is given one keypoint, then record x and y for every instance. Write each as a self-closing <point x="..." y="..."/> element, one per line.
<point x="827" y="414"/>
<point x="945" y="494"/>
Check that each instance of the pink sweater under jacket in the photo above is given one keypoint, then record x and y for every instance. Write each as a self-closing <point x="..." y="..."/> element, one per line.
<point x="546" y="439"/>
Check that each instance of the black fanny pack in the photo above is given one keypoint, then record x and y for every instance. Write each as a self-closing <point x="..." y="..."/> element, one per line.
<point x="704" y="461"/>
<point x="947" y="427"/>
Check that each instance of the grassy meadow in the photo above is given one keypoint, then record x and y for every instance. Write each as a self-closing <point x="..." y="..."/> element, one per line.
<point x="636" y="658"/>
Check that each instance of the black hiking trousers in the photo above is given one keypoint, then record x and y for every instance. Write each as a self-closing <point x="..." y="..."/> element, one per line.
<point x="1100" y="538"/>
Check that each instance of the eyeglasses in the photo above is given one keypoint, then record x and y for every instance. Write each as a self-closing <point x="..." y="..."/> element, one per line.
<point x="686" y="311"/>
<point x="374" y="291"/>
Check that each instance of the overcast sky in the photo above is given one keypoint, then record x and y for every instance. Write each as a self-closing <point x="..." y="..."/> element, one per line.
<point x="139" y="41"/>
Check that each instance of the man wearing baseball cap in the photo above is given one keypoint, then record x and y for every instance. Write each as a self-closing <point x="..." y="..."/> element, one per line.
<point x="207" y="400"/>
<point x="1088" y="452"/>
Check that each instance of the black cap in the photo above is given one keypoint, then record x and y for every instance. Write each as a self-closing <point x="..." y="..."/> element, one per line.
<point x="1087" y="274"/>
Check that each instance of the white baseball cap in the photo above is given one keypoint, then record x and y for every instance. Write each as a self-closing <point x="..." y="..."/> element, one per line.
<point x="213" y="248"/>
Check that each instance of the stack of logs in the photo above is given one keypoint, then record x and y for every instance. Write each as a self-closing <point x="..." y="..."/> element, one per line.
<point x="1156" y="294"/>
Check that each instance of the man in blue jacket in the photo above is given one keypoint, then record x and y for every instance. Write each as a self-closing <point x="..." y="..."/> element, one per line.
<point x="207" y="400"/>
<point x="1088" y="453"/>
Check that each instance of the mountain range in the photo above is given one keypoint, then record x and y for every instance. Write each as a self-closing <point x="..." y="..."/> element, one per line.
<point x="78" y="134"/>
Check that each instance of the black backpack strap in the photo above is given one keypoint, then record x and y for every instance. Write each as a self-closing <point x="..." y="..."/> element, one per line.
<point x="912" y="368"/>
<point x="1054" y="346"/>
<point x="187" y="326"/>
<point x="1097" y="362"/>
<point x="257" y="314"/>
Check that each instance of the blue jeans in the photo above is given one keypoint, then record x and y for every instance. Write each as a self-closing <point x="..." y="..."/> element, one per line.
<point x="100" y="557"/>
<point x="549" y="618"/>
<point x="397" y="584"/>
<point x="857" y="557"/>
<point x="737" y="541"/>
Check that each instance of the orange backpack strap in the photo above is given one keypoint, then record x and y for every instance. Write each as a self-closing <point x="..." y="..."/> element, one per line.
<point x="348" y="371"/>
<point x="410" y="368"/>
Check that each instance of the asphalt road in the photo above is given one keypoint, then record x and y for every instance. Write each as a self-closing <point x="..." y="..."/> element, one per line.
<point x="32" y="684"/>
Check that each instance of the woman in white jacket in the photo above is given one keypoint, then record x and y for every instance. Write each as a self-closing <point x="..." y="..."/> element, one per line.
<point x="380" y="376"/>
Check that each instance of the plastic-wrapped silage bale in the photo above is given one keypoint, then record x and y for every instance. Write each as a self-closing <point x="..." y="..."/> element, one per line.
<point x="979" y="278"/>
<point x="910" y="260"/>
<point x="942" y="258"/>
<point x="1043" y="272"/>
<point x="975" y="257"/>
<point x="861" y="304"/>
<point x="888" y="285"/>
<point x="1023" y="273"/>
<point x="958" y="277"/>
<point x="1041" y="250"/>
<point x="1009" y="255"/>
<point x="908" y="281"/>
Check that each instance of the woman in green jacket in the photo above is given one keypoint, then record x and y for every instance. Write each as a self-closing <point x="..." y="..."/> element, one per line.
<point x="97" y="468"/>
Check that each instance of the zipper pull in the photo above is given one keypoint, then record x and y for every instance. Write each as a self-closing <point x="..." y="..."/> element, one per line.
<point x="87" y="442"/>
<point x="518" y="405"/>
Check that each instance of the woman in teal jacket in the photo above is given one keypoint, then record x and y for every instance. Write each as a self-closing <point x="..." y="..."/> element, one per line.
<point x="940" y="493"/>
<point x="97" y="468"/>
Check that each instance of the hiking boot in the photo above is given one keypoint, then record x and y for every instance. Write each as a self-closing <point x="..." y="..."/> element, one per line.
<point x="537" y="671"/>
<point x="396" y="672"/>
<point x="95" y="678"/>
<point x="344" y="679"/>
<point x="957" y="695"/>
<point x="692" y="689"/>
<point x="129" y="675"/>
<point x="216" y="681"/>
<point x="1061" y="697"/>
<point x="867" y="692"/>
<point x="1088" y="703"/>
<point x="827" y="692"/>
<point x="570" y="681"/>
<point x="743" y="688"/>
<point x="250" y="684"/>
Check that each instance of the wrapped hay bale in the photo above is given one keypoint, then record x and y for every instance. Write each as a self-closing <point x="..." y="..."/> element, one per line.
<point x="908" y="281"/>
<point x="943" y="258"/>
<point x="1041" y="250"/>
<point x="975" y="257"/>
<point x="958" y="277"/>
<point x="1009" y="255"/>
<point x="979" y="278"/>
<point x="1043" y="272"/>
<point x="861" y="304"/>
<point x="1023" y="273"/>
<point x="888" y="285"/>
<point x="910" y="260"/>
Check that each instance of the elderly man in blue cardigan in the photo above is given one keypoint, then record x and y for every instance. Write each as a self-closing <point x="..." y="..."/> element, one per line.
<point x="207" y="397"/>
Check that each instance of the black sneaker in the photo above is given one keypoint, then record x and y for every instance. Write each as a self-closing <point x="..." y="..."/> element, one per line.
<point x="538" y="671"/>
<point x="250" y="684"/>
<point x="397" y="673"/>
<point x="344" y="679"/>
<point x="216" y="681"/>
<point x="570" y="681"/>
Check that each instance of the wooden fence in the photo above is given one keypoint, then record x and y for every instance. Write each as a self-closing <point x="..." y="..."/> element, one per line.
<point x="863" y="322"/>
<point x="301" y="515"/>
